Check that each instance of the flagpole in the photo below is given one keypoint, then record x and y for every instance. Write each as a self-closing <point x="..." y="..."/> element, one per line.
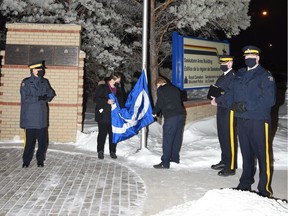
<point x="144" y="62"/>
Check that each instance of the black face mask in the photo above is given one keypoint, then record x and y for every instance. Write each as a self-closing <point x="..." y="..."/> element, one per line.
<point x="116" y="85"/>
<point x="250" y="62"/>
<point x="224" y="67"/>
<point x="41" y="73"/>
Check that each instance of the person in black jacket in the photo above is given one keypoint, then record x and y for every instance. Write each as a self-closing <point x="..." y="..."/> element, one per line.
<point x="169" y="103"/>
<point x="35" y="92"/>
<point x="225" y="123"/>
<point x="103" y="112"/>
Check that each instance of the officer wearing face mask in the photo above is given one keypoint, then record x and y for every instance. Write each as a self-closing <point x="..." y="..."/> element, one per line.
<point x="35" y="92"/>
<point x="225" y="122"/>
<point x="251" y="96"/>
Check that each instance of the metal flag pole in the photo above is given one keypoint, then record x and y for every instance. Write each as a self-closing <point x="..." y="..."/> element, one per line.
<point x="144" y="63"/>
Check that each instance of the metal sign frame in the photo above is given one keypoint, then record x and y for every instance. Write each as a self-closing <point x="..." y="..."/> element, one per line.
<point x="195" y="61"/>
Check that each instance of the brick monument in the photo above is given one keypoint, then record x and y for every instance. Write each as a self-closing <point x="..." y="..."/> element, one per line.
<point x="59" y="46"/>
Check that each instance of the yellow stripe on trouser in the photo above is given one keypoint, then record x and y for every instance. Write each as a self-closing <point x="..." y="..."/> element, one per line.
<point x="268" y="172"/>
<point x="24" y="140"/>
<point x="232" y="143"/>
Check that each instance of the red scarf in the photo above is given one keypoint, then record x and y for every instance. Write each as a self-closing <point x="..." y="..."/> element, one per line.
<point x="112" y="89"/>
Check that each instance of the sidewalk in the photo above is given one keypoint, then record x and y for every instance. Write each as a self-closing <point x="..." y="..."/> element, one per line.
<point x="74" y="182"/>
<point x="71" y="183"/>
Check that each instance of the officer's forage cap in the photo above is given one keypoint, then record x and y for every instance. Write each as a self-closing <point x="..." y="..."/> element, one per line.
<point x="225" y="58"/>
<point x="247" y="50"/>
<point x="37" y="65"/>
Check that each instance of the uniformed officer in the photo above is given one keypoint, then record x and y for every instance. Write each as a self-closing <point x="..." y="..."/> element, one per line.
<point x="35" y="92"/>
<point x="225" y="122"/>
<point x="252" y="95"/>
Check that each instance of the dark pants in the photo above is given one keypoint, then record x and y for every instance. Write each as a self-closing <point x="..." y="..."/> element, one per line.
<point x="255" y="144"/>
<point x="105" y="129"/>
<point x="227" y="137"/>
<point x="172" y="139"/>
<point x="29" y="145"/>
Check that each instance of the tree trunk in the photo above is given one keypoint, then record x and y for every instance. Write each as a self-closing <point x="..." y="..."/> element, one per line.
<point x="153" y="53"/>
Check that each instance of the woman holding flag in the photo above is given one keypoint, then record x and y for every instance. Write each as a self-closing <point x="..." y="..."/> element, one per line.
<point x="103" y="112"/>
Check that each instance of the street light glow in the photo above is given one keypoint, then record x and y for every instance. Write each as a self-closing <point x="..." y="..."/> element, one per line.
<point x="264" y="13"/>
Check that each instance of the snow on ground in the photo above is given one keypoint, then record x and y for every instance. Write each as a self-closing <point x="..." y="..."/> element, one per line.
<point x="199" y="150"/>
<point x="229" y="202"/>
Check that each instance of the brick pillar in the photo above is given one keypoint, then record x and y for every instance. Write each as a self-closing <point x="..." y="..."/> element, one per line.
<point x="59" y="46"/>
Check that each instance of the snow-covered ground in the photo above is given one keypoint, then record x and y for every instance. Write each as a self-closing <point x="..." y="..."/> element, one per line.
<point x="191" y="187"/>
<point x="199" y="150"/>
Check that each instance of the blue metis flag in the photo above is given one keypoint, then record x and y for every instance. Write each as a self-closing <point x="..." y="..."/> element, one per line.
<point x="136" y="114"/>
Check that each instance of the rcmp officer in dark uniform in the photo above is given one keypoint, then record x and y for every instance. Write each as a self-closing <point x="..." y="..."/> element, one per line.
<point x="225" y="122"/>
<point x="251" y="96"/>
<point x="35" y="92"/>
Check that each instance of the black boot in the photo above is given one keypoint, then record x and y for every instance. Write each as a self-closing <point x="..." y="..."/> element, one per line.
<point x="226" y="172"/>
<point x="160" y="166"/>
<point x="24" y="165"/>
<point x="218" y="166"/>
<point x="101" y="155"/>
<point x="113" y="155"/>
<point x="40" y="164"/>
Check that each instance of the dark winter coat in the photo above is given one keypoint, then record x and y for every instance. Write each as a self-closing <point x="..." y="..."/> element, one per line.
<point x="34" y="112"/>
<point x="224" y="81"/>
<point x="256" y="89"/>
<point x="169" y="101"/>
<point x="102" y="108"/>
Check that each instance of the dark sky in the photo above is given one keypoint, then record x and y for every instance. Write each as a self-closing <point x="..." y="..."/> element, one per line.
<point x="265" y="30"/>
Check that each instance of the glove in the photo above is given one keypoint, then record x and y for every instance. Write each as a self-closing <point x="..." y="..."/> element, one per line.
<point x="42" y="97"/>
<point x="239" y="107"/>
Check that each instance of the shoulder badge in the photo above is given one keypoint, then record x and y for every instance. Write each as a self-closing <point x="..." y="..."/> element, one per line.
<point x="271" y="78"/>
<point x="23" y="84"/>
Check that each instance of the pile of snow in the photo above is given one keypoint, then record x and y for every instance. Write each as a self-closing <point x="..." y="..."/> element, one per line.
<point x="229" y="202"/>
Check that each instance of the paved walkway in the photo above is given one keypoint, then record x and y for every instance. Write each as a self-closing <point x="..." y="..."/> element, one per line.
<point x="74" y="182"/>
<point x="69" y="184"/>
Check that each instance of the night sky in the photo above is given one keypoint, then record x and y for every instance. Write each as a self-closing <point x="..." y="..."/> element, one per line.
<point x="264" y="31"/>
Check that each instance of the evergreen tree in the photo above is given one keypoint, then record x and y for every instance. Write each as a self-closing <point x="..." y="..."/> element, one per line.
<point x="112" y="29"/>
